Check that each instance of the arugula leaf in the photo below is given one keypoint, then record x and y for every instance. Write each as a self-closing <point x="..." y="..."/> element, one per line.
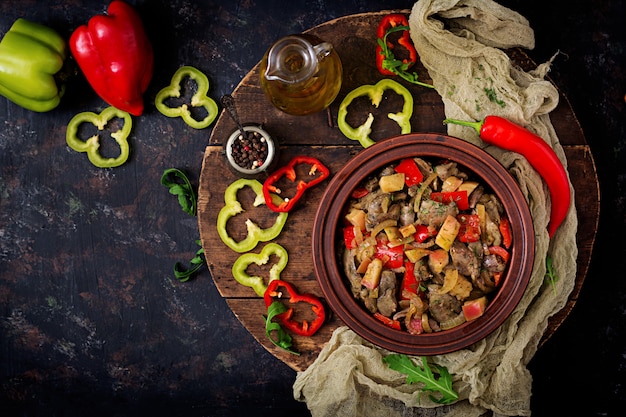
<point x="424" y="374"/>
<point x="196" y="263"/>
<point x="185" y="192"/>
<point x="551" y="277"/>
<point x="283" y="340"/>
<point x="188" y="202"/>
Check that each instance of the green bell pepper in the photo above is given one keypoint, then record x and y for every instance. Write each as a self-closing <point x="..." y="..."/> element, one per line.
<point x="199" y="99"/>
<point x="256" y="282"/>
<point x="233" y="207"/>
<point x="375" y="93"/>
<point x="31" y="56"/>
<point x="91" y="145"/>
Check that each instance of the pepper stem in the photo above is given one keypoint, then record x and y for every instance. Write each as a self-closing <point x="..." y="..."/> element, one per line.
<point x="475" y="125"/>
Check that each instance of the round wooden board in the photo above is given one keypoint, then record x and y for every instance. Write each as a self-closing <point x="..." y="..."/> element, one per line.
<point x="354" y="39"/>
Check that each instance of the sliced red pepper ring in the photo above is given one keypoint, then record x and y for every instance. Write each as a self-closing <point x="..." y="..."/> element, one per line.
<point x="199" y="99"/>
<point x="282" y="289"/>
<point x="375" y="93"/>
<point x="397" y="22"/>
<point x="318" y="171"/>
<point x="91" y="145"/>
<point x="386" y="62"/>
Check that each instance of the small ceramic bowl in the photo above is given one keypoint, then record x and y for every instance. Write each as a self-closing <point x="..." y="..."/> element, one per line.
<point x="327" y="242"/>
<point x="261" y="166"/>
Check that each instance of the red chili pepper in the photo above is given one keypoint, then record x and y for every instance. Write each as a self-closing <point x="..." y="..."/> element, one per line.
<point x="319" y="170"/>
<point x="394" y="324"/>
<point x="470" y="228"/>
<point x="505" y="134"/>
<point x="458" y="197"/>
<point x="301" y="328"/>
<point x="412" y="173"/>
<point x="391" y="21"/>
<point x="116" y="57"/>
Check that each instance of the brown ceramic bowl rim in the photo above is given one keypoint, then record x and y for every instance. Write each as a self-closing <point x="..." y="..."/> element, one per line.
<point x="325" y="242"/>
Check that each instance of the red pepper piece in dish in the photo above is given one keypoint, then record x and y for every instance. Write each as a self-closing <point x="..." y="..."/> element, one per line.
<point x="394" y="324"/>
<point x="447" y="197"/>
<point x="116" y="57"/>
<point x="318" y="171"/>
<point x="412" y="173"/>
<point x="470" y="228"/>
<point x="392" y="256"/>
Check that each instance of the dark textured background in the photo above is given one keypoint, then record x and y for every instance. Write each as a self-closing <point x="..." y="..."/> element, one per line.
<point x="92" y="321"/>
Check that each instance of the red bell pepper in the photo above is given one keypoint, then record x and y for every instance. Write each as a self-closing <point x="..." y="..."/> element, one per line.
<point x="502" y="253"/>
<point x="505" y="231"/>
<point x="318" y="170"/>
<point x="391" y="21"/>
<point x="386" y="61"/>
<point x="393" y="257"/>
<point x="301" y="328"/>
<point x="394" y="324"/>
<point x="458" y="197"/>
<point x="422" y="232"/>
<point x="349" y="237"/>
<point x="410" y="286"/>
<point x="412" y="174"/>
<point x="470" y="228"/>
<point x="359" y="192"/>
<point x="115" y="55"/>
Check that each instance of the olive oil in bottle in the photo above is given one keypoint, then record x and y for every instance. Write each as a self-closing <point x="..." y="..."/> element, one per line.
<point x="301" y="74"/>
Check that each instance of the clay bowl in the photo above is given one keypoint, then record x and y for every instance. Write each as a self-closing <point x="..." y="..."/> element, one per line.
<point x="327" y="243"/>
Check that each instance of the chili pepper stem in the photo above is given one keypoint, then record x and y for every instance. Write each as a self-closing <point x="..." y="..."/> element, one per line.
<point x="477" y="126"/>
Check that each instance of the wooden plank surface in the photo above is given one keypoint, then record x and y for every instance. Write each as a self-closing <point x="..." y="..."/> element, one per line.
<point x="354" y="39"/>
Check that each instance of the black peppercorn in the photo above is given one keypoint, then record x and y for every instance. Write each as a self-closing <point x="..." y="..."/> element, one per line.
<point x="249" y="151"/>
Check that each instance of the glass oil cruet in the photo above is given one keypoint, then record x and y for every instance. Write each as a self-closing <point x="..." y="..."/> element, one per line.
<point x="301" y="74"/>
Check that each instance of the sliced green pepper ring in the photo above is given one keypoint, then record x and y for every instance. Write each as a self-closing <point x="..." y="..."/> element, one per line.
<point x="199" y="99"/>
<point x="91" y="146"/>
<point x="233" y="207"/>
<point x="256" y="282"/>
<point x="375" y="93"/>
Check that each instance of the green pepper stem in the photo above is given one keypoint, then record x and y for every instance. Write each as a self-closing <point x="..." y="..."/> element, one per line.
<point x="477" y="126"/>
